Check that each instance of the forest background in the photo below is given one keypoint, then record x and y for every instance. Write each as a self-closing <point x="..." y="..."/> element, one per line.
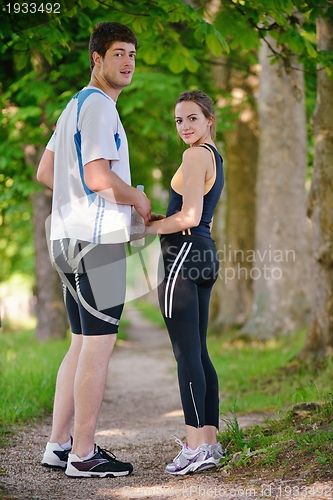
<point x="268" y="66"/>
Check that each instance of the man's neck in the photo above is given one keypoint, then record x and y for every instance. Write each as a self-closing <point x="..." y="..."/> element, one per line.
<point x="110" y="91"/>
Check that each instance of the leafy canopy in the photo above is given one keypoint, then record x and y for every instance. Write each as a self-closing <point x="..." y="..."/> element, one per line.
<point x="45" y="61"/>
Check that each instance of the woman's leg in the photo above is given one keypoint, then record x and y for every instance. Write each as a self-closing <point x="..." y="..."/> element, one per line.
<point x="183" y="327"/>
<point x="212" y="388"/>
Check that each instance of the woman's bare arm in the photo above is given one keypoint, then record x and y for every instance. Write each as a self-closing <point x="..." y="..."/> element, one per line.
<point x="196" y="163"/>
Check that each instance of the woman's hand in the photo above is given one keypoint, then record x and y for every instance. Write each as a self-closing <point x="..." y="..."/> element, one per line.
<point x="154" y="217"/>
<point x="153" y="225"/>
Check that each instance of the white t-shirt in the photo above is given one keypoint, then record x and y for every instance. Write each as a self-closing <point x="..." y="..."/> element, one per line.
<point x="89" y="128"/>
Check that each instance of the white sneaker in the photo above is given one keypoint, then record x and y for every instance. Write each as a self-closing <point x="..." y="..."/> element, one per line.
<point x="217" y="452"/>
<point x="191" y="460"/>
<point x="55" y="456"/>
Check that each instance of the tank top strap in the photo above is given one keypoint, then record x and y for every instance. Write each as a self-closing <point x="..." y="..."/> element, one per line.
<point x="210" y="183"/>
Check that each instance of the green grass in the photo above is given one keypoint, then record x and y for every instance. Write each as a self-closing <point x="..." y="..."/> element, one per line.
<point x="28" y="371"/>
<point x="302" y="435"/>
<point x="263" y="376"/>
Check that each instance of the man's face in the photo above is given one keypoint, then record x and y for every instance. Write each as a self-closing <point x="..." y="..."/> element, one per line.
<point x="117" y="67"/>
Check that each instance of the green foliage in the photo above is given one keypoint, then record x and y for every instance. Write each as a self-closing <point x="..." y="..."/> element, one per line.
<point x="45" y="64"/>
<point x="247" y="23"/>
<point x="235" y="432"/>
<point x="16" y="249"/>
<point x="23" y="359"/>
<point x="28" y="371"/>
<point x="235" y="28"/>
<point x="158" y="19"/>
<point x="152" y="136"/>
<point x="272" y="381"/>
<point x="305" y="439"/>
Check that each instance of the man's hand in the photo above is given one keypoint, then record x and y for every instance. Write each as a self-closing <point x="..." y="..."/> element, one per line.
<point x="143" y="206"/>
<point x="100" y="179"/>
<point x="154" y="216"/>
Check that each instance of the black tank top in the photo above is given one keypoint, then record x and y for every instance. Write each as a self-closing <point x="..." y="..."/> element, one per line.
<point x="210" y="200"/>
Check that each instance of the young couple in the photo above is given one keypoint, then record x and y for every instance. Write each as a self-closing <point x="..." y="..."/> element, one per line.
<point x="86" y="164"/>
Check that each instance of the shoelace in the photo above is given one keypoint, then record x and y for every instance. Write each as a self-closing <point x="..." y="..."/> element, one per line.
<point x="183" y="445"/>
<point x="178" y="441"/>
<point x="105" y="452"/>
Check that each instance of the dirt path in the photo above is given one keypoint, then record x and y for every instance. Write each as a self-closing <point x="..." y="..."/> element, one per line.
<point x="140" y="413"/>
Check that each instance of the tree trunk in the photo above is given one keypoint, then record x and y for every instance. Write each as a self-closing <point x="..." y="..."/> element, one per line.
<point x="281" y="261"/>
<point x="319" y="341"/>
<point x="234" y="224"/>
<point x="50" y="309"/>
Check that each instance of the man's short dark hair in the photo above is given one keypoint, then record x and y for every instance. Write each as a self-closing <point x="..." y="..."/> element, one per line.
<point x="105" y="34"/>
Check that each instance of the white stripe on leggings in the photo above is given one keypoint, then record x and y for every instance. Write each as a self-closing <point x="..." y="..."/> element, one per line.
<point x="195" y="408"/>
<point x="172" y="279"/>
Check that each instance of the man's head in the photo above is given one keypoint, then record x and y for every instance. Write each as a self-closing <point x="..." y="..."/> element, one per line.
<point x="105" y="34"/>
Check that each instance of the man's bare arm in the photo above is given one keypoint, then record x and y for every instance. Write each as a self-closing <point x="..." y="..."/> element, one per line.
<point x="100" y="179"/>
<point x="45" y="170"/>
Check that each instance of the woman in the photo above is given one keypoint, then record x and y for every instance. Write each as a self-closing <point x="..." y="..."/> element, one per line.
<point x="191" y="269"/>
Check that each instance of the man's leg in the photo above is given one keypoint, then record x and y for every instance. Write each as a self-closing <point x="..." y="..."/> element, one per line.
<point x="89" y="387"/>
<point x="100" y="281"/>
<point x="64" y="395"/>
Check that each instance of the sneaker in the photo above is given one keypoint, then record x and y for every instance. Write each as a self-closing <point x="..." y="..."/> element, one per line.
<point x="102" y="464"/>
<point x="55" y="456"/>
<point x="217" y="452"/>
<point x="191" y="460"/>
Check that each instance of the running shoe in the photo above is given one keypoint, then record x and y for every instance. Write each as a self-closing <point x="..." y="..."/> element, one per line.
<point x="217" y="452"/>
<point x="102" y="464"/>
<point x="191" y="460"/>
<point x="55" y="456"/>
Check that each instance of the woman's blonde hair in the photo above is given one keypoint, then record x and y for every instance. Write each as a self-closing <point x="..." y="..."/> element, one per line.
<point x="205" y="102"/>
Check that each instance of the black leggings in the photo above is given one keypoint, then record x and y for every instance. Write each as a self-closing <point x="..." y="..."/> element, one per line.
<point x="191" y="268"/>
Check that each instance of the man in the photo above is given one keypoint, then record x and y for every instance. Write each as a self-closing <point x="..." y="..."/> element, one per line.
<point x="86" y="164"/>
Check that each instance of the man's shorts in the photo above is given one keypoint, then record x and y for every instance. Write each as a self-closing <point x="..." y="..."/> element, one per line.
<point x="94" y="284"/>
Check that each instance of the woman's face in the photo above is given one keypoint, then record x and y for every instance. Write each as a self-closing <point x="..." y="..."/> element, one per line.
<point x="192" y="125"/>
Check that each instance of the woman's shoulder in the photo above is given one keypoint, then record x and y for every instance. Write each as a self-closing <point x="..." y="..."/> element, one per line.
<point x="196" y="153"/>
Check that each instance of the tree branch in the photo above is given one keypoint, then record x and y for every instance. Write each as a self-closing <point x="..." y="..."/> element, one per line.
<point x="123" y="11"/>
<point x="274" y="25"/>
